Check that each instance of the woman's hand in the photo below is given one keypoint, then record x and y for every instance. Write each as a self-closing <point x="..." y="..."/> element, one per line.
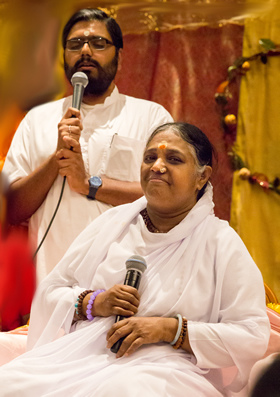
<point x="120" y="300"/>
<point x="139" y="331"/>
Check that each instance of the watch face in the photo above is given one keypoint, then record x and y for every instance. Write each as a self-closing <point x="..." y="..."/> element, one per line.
<point x="95" y="181"/>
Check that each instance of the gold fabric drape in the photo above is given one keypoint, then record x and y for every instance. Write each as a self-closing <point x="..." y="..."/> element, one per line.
<point x="255" y="213"/>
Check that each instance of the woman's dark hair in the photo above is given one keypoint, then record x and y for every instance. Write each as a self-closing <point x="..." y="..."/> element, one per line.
<point x="204" y="150"/>
<point x="94" y="14"/>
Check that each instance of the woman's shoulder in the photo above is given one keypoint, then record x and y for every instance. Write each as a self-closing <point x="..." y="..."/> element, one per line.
<point x="223" y="233"/>
<point x="227" y="243"/>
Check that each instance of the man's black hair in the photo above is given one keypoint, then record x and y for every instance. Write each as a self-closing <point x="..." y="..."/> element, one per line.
<point x="94" y="14"/>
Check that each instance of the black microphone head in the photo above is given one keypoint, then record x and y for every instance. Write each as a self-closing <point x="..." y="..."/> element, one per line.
<point x="79" y="78"/>
<point x="136" y="262"/>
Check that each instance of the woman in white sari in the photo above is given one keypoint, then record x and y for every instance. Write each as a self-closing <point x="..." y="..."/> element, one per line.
<point x="200" y="305"/>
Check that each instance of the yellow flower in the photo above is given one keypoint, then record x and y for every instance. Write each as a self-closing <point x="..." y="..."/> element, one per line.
<point x="230" y="119"/>
<point x="274" y="306"/>
<point x="244" y="173"/>
<point x="245" y="66"/>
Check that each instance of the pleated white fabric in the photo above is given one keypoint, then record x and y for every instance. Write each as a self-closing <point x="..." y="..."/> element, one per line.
<point x="200" y="269"/>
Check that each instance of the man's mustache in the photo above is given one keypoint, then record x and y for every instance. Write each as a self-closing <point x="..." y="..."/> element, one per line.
<point x="87" y="61"/>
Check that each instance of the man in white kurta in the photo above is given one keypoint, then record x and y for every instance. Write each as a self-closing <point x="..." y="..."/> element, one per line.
<point x="200" y="269"/>
<point x="108" y="136"/>
<point x="112" y="141"/>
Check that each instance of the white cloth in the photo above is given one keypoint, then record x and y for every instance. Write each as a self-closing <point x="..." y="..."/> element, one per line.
<point x="112" y="143"/>
<point x="200" y="269"/>
<point x="11" y="346"/>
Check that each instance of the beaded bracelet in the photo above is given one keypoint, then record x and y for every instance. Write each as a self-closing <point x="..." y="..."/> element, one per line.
<point x="183" y="334"/>
<point x="79" y="304"/>
<point x="178" y="329"/>
<point x="90" y="303"/>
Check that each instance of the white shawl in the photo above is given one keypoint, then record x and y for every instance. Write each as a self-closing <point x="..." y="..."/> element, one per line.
<point x="200" y="269"/>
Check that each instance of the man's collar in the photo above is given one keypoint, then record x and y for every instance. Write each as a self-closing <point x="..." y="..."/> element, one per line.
<point x="113" y="97"/>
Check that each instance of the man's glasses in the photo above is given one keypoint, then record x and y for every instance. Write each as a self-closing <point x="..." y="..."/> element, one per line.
<point x="95" y="43"/>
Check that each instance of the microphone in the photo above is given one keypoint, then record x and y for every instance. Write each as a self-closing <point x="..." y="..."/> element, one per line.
<point x="79" y="81"/>
<point x="135" y="265"/>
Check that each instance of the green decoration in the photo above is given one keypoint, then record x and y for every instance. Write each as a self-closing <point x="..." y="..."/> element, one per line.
<point x="267" y="44"/>
<point x="240" y="67"/>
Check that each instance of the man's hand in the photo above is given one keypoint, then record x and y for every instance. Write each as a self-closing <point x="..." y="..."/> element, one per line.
<point x="69" y="155"/>
<point x="69" y="126"/>
<point x="71" y="165"/>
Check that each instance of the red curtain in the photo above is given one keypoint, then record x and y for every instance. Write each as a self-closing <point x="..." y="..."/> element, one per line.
<point x="181" y="69"/>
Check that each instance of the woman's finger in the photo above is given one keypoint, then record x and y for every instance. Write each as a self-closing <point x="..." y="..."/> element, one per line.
<point x="129" y="345"/>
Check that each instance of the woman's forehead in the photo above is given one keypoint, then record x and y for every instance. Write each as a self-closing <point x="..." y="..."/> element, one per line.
<point x="167" y="139"/>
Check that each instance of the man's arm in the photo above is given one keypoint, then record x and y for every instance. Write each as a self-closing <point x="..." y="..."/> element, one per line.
<point x="118" y="192"/>
<point x="112" y="191"/>
<point x="27" y="194"/>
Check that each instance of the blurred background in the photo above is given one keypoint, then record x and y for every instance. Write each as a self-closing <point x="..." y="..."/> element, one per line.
<point x="188" y="56"/>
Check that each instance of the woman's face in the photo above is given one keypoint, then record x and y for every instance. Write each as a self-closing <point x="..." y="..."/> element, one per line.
<point x="175" y="190"/>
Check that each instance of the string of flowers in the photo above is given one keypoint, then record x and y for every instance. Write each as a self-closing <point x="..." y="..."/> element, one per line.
<point x="256" y="178"/>
<point x="274" y="306"/>
<point x="229" y="120"/>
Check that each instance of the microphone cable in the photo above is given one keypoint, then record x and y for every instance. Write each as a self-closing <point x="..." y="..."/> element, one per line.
<point x="52" y="218"/>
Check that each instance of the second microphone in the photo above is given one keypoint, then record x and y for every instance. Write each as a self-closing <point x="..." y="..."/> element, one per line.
<point x="135" y="265"/>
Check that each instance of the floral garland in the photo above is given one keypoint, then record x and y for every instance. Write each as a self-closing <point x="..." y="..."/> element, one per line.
<point x="255" y="178"/>
<point x="229" y="121"/>
<point x="274" y="306"/>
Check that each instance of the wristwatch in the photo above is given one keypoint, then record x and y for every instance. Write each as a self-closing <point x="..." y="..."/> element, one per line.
<point x="94" y="184"/>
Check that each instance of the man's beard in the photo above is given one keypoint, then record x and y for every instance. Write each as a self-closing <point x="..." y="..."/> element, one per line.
<point x="105" y="75"/>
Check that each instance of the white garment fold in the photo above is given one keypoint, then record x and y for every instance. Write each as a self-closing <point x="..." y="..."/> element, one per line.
<point x="200" y="269"/>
